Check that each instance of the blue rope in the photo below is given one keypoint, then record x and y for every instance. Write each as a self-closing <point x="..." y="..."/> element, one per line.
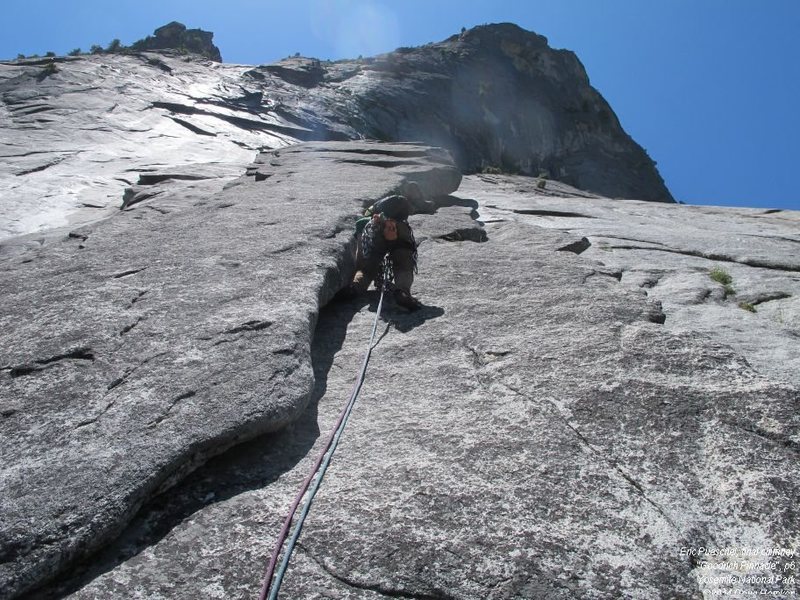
<point x="328" y="456"/>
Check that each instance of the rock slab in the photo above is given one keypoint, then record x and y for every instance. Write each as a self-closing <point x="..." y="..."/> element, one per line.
<point x="535" y="432"/>
<point x="672" y="254"/>
<point x="136" y="348"/>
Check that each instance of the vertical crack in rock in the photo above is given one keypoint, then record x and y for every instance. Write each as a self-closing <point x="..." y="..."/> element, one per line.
<point x="251" y="465"/>
<point x="609" y="461"/>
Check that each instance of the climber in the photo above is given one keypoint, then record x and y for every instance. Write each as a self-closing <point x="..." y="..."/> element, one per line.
<point x="384" y="231"/>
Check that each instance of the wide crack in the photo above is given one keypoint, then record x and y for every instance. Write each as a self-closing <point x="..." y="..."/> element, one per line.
<point x="194" y="480"/>
<point x="251" y="465"/>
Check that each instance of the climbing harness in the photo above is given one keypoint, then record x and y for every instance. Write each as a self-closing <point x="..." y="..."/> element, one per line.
<point x="272" y="579"/>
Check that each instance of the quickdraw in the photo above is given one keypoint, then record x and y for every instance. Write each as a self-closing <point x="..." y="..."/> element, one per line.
<point x="385" y="275"/>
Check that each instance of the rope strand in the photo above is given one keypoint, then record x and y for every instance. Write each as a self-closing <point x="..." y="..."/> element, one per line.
<point x="269" y="590"/>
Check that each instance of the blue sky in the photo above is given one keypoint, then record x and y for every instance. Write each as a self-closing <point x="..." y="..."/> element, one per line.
<point x="710" y="88"/>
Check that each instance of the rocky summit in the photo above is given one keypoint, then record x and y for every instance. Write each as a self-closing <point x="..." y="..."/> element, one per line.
<point x="175" y="36"/>
<point x="598" y="399"/>
<point x="79" y="130"/>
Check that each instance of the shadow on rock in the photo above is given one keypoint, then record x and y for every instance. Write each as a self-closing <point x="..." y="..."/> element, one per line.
<point x="248" y="466"/>
<point x="406" y="321"/>
<point x="448" y="201"/>
<point x="392" y="314"/>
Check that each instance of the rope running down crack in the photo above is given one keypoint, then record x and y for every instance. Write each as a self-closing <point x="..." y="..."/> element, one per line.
<point x="272" y="579"/>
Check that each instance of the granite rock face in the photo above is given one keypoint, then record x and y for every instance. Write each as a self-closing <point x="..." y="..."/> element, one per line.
<point x="594" y="387"/>
<point x="539" y="430"/>
<point x="499" y="96"/>
<point x="676" y="255"/>
<point x="79" y="130"/>
<point x="135" y="348"/>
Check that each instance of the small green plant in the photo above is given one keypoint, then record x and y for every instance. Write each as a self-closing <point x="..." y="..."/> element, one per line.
<point x="541" y="184"/>
<point x="50" y="54"/>
<point x="747" y="306"/>
<point x="720" y="275"/>
<point x="49" y="69"/>
<point x="75" y="52"/>
<point x="95" y="49"/>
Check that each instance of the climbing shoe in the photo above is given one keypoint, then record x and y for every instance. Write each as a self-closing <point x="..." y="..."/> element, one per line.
<point x="406" y="300"/>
